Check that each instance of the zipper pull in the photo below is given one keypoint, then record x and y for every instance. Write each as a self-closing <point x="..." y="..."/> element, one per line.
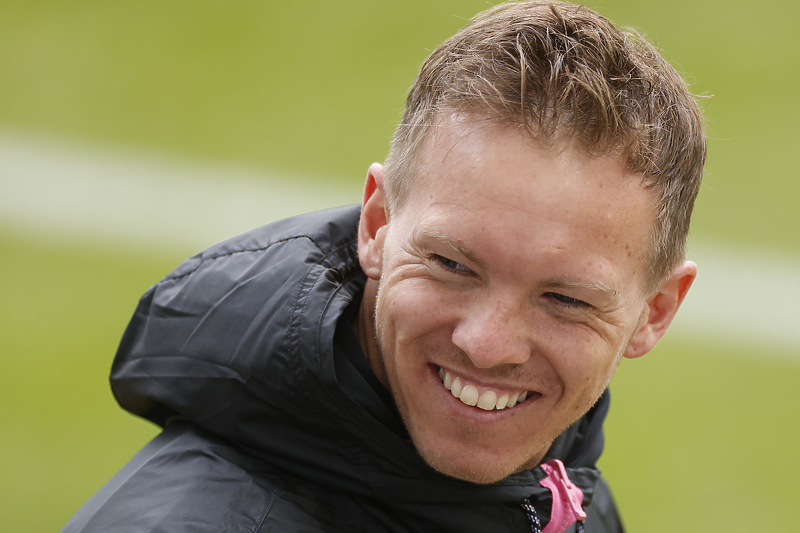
<point x="567" y="497"/>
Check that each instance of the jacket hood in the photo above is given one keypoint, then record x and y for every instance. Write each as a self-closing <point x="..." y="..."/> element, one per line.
<point x="248" y="340"/>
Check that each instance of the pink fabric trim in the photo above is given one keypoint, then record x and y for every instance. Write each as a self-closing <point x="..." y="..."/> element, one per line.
<point x="567" y="498"/>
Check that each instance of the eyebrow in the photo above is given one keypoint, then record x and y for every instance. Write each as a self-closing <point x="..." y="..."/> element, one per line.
<point x="574" y="284"/>
<point x="458" y="247"/>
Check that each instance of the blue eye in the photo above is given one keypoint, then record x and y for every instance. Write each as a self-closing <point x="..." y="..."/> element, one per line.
<point x="451" y="265"/>
<point x="567" y="300"/>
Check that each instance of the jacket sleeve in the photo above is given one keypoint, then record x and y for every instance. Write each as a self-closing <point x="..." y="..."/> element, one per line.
<point x="183" y="480"/>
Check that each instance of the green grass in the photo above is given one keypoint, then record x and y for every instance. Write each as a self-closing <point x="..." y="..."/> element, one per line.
<point x="64" y="309"/>
<point x="702" y="437"/>
<point x="701" y="433"/>
<point x="266" y="83"/>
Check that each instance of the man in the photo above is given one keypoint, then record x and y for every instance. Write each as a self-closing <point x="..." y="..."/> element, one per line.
<point x="437" y="359"/>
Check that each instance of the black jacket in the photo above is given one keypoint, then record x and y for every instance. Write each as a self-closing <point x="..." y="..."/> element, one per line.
<point x="273" y="420"/>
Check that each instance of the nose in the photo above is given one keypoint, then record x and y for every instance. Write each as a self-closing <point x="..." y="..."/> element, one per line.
<point x="494" y="333"/>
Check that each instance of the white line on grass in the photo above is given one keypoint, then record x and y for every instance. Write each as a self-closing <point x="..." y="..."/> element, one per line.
<point x="120" y="197"/>
<point x="124" y="198"/>
<point x="742" y="296"/>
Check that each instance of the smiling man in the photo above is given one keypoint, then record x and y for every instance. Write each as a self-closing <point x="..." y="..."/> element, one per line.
<point x="504" y="290"/>
<point x="437" y="358"/>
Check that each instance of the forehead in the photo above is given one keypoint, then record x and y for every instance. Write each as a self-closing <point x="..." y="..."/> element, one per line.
<point x="505" y="192"/>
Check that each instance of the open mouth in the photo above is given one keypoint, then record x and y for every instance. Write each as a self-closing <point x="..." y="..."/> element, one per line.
<point x="482" y="397"/>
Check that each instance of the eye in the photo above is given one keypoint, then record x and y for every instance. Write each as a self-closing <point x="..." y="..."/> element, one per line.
<point x="449" y="264"/>
<point x="567" y="300"/>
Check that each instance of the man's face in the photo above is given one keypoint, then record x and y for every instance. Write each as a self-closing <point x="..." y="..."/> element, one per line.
<point x="510" y="272"/>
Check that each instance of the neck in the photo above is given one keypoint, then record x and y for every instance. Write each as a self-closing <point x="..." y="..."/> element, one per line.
<point x="365" y="330"/>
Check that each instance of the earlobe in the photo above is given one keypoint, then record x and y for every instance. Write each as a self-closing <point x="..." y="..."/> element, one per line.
<point x="372" y="225"/>
<point x="661" y="309"/>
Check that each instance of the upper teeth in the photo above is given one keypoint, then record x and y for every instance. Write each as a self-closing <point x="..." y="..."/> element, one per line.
<point x="487" y="401"/>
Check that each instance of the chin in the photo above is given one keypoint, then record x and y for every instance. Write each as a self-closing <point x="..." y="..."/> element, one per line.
<point x="470" y="465"/>
<point x="475" y="472"/>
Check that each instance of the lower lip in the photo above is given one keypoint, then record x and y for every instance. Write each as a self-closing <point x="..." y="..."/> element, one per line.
<point x="476" y="414"/>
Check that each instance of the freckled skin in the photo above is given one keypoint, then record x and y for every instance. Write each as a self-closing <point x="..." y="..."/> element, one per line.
<point x="513" y="265"/>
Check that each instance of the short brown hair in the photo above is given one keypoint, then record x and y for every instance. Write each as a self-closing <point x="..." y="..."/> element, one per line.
<point x="559" y="71"/>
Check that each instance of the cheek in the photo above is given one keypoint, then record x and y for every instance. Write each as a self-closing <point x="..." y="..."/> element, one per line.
<point x="584" y="360"/>
<point x="413" y="308"/>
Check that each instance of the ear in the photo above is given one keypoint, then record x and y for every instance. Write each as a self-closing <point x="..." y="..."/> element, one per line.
<point x="661" y="309"/>
<point x="373" y="223"/>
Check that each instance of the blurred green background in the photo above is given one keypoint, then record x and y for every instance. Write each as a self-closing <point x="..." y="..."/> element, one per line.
<point x="702" y="433"/>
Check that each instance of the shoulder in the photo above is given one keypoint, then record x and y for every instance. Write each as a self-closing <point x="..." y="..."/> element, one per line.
<point x="232" y="320"/>
<point x="253" y="280"/>
<point x="300" y="239"/>
<point x="188" y="477"/>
